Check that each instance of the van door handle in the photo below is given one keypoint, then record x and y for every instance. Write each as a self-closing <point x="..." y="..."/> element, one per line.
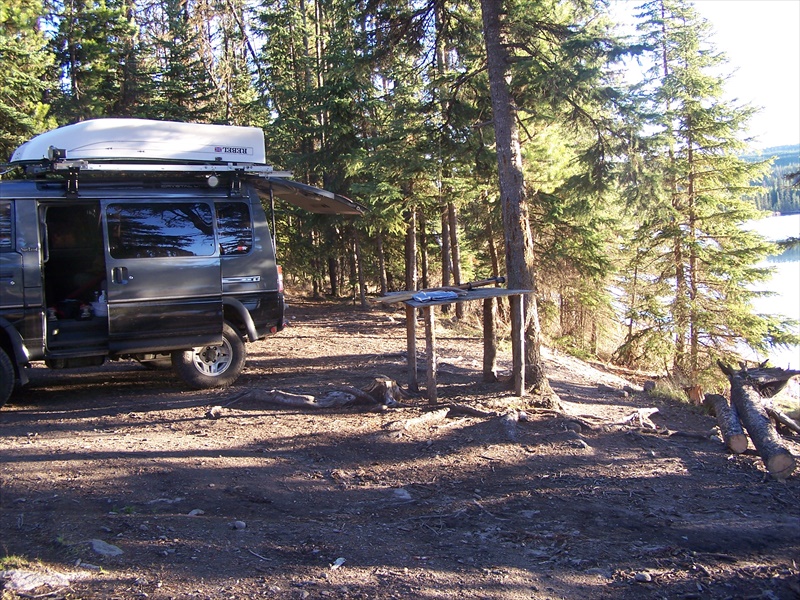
<point x="119" y="275"/>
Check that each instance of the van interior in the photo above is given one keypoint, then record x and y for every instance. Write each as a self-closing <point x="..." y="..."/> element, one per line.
<point x="74" y="274"/>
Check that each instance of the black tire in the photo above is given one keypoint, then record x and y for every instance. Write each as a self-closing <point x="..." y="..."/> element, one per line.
<point x="8" y="377"/>
<point x="212" y="366"/>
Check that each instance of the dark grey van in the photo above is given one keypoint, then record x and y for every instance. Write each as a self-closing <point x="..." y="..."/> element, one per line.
<point x="160" y="261"/>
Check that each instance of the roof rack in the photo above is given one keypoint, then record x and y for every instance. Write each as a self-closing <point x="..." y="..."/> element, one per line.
<point x="244" y="168"/>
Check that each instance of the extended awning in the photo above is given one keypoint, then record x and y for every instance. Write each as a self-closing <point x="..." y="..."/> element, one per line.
<point x="308" y="197"/>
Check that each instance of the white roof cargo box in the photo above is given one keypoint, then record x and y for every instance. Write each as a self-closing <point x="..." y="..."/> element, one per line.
<point x="144" y="140"/>
<point x="141" y="145"/>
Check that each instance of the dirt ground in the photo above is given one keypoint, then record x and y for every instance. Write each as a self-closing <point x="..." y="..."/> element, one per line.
<point x="115" y="484"/>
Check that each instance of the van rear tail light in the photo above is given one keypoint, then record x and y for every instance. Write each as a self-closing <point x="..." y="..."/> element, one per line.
<point x="280" y="279"/>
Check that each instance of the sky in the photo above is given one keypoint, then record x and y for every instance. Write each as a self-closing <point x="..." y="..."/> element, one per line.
<point x="761" y="39"/>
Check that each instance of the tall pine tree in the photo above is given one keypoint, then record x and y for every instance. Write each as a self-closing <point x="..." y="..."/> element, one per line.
<point x="23" y="75"/>
<point x="695" y="268"/>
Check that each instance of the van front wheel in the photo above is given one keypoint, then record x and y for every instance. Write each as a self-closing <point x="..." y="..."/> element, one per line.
<point x="212" y="366"/>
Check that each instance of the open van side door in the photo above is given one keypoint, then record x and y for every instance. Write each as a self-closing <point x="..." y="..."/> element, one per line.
<point x="163" y="279"/>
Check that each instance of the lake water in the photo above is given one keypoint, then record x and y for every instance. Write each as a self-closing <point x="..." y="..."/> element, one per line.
<point x="785" y="282"/>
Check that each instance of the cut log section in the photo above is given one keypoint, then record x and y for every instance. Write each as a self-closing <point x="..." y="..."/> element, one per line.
<point x="729" y="424"/>
<point x="746" y="398"/>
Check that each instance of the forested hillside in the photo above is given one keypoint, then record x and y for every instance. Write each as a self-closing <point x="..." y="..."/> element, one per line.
<point x="486" y="137"/>
<point x="775" y="191"/>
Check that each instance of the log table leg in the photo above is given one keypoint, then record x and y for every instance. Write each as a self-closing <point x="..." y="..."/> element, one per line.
<point x="518" y="343"/>
<point x="489" y="340"/>
<point x="411" y="347"/>
<point x="430" y="347"/>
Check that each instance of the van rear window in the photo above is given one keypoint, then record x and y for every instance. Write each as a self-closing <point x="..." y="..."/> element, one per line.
<point x="160" y="230"/>
<point x="6" y="231"/>
<point x="235" y="228"/>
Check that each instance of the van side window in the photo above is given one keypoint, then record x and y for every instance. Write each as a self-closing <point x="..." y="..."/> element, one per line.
<point x="159" y="230"/>
<point x="235" y="228"/>
<point x="6" y="229"/>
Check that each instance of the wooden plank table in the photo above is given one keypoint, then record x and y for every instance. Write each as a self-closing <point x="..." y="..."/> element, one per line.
<point x="488" y="296"/>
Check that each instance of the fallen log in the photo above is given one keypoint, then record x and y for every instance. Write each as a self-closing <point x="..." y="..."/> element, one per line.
<point x="383" y="391"/>
<point x="729" y="424"/>
<point x="769" y="381"/>
<point x="783" y="419"/>
<point x="746" y="398"/>
<point x="639" y="418"/>
<point x="429" y="418"/>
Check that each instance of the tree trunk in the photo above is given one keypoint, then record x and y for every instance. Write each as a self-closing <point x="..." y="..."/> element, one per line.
<point x="489" y="340"/>
<point x="411" y="250"/>
<point x="423" y="250"/>
<point x="452" y="218"/>
<point x="362" y="285"/>
<point x="490" y="244"/>
<point x="446" y="270"/>
<point x="516" y="223"/>
<point x="501" y="306"/>
<point x="316" y="266"/>
<point x="333" y="273"/>
<point x="382" y="263"/>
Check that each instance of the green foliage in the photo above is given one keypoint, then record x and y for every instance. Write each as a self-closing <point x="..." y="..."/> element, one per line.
<point x="180" y="84"/>
<point x="775" y="191"/>
<point x="91" y="42"/>
<point x="23" y="79"/>
<point x="692" y="270"/>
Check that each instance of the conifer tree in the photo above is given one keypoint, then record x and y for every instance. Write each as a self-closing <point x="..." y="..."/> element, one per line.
<point x="546" y="58"/>
<point x="182" y="85"/>
<point x="23" y="78"/>
<point x="695" y="266"/>
<point x="91" y="41"/>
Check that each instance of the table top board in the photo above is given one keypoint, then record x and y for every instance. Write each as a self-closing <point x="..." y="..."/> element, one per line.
<point x="476" y="294"/>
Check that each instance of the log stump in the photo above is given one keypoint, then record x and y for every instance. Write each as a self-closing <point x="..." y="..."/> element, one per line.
<point x="728" y="421"/>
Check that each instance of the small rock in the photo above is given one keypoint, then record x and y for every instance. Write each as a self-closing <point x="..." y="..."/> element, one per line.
<point x="20" y="580"/>
<point x="215" y="412"/>
<point x="600" y="572"/>
<point x="104" y="548"/>
<point x="196" y="512"/>
<point x="401" y="495"/>
<point x="643" y="577"/>
<point x="337" y="563"/>
<point x="239" y="525"/>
